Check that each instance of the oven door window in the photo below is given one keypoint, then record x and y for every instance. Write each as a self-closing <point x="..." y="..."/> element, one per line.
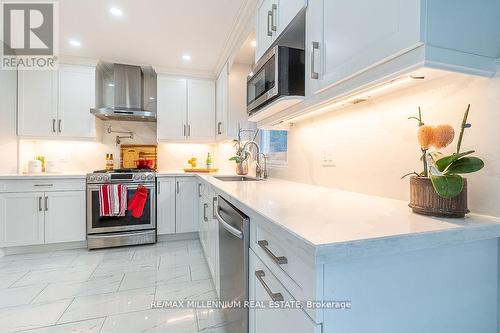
<point x="262" y="81"/>
<point x="119" y="221"/>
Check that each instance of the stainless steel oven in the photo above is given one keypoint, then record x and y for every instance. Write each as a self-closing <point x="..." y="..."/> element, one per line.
<point x="279" y="73"/>
<point x="110" y="231"/>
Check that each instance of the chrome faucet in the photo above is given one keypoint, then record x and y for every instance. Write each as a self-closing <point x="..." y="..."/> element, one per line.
<point x="259" y="171"/>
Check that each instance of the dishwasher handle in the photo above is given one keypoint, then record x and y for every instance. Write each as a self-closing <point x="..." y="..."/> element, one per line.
<point x="232" y="230"/>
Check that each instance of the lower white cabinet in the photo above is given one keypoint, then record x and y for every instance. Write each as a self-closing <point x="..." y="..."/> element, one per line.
<point x="165" y="203"/>
<point x="21" y="219"/>
<point x="265" y="287"/>
<point x="177" y="205"/>
<point x="64" y="216"/>
<point x="31" y="218"/>
<point x="186" y="204"/>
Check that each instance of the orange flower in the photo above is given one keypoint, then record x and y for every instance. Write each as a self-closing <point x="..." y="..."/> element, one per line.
<point x="425" y="136"/>
<point x="443" y="136"/>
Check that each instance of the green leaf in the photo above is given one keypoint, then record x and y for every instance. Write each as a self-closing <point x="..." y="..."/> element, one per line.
<point x="444" y="162"/>
<point x="465" y="165"/>
<point x="447" y="186"/>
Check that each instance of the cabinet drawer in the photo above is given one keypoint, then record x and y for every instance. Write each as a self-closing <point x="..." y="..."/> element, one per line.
<point x="265" y="286"/>
<point x="42" y="185"/>
<point x="284" y="258"/>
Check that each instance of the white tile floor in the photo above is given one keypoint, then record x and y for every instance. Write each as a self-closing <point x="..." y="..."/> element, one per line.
<point x="108" y="290"/>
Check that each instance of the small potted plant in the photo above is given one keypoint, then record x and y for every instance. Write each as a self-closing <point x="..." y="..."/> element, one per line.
<point x="440" y="190"/>
<point x="241" y="158"/>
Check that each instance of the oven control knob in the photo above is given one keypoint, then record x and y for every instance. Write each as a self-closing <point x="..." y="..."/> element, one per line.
<point x="150" y="176"/>
<point x="136" y="177"/>
<point x="99" y="178"/>
<point x="105" y="178"/>
<point x="143" y="177"/>
<point x="91" y="178"/>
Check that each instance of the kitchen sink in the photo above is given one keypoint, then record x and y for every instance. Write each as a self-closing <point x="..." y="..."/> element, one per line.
<point x="237" y="178"/>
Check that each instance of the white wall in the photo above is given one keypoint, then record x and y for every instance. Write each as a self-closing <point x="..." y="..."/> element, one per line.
<point x="374" y="143"/>
<point x="8" y="139"/>
<point x="87" y="156"/>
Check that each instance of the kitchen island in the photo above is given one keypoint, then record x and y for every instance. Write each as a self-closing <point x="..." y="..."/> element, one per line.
<point x="388" y="269"/>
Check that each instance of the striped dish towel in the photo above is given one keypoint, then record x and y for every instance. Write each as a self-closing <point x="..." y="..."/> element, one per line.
<point x="113" y="200"/>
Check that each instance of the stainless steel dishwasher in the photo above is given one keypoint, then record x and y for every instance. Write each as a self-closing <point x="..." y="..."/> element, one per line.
<point x="234" y="234"/>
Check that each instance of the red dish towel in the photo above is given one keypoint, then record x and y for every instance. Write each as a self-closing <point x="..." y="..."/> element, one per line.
<point x="138" y="201"/>
<point x="113" y="200"/>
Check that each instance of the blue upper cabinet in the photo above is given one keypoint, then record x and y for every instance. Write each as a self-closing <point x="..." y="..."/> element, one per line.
<point x="374" y="40"/>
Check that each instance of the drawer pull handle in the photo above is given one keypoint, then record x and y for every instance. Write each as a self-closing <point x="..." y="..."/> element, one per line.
<point x="205" y="206"/>
<point x="279" y="260"/>
<point x="276" y="297"/>
<point x="43" y="185"/>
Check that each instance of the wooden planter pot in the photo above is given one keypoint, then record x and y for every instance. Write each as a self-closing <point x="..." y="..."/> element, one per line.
<point x="424" y="200"/>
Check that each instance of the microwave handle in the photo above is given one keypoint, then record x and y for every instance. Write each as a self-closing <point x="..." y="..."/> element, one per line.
<point x="314" y="74"/>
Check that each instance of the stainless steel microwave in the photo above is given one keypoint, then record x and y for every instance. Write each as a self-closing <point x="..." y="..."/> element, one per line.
<point x="280" y="72"/>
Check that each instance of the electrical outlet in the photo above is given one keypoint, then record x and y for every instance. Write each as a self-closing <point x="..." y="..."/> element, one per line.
<point x="327" y="157"/>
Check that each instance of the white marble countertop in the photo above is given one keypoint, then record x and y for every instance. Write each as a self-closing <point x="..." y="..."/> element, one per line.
<point x="43" y="176"/>
<point x="339" y="223"/>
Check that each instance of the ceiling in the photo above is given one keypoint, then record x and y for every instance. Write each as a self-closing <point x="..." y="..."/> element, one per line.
<point x="152" y="32"/>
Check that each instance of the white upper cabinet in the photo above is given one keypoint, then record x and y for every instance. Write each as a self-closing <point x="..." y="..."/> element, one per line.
<point x="201" y="110"/>
<point x="37" y="103"/>
<point x="171" y="108"/>
<point x="221" y="104"/>
<point x="284" y="12"/>
<point x="231" y="102"/>
<point x="185" y="109"/>
<point x="346" y="38"/>
<point x="273" y="16"/>
<point x="57" y="103"/>
<point x="265" y="35"/>
<point x="76" y="98"/>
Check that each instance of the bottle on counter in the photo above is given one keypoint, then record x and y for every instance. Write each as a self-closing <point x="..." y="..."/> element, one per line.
<point x="110" y="163"/>
<point x="209" y="161"/>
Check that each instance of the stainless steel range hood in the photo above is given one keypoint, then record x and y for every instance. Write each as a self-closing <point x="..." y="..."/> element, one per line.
<point x="125" y="92"/>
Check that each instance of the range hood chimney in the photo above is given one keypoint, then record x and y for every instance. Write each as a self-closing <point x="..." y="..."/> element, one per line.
<point x="125" y="92"/>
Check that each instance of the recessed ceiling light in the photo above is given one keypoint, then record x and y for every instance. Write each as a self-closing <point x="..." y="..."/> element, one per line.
<point x="116" y="11"/>
<point x="253" y="43"/>
<point x="75" y="43"/>
<point x="186" y="57"/>
<point x="111" y="84"/>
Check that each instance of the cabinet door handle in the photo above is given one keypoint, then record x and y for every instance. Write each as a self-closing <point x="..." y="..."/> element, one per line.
<point x="177" y="187"/>
<point x="59" y="125"/>
<point x="279" y="260"/>
<point x="214" y="207"/>
<point x="39" y="204"/>
<point x="189" y="130"/>
<point x="269" y="19"/>
<point x="219" y="128"/>
<point x="53" y="126"/>
<point x="274" y="9"/>
<point x="205" y="206"/>
<point x="158" y="187"/>
<point x="46" y="204"/>
<point x="314" y="74"/>
<point x="276" y="297"/>
<point x="199" y="190"/>
<point x="184" y="131"/>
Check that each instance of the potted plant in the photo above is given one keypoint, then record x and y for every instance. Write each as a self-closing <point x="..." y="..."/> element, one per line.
<point x="241" y="158"/>
<point x="440" y="190"/>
